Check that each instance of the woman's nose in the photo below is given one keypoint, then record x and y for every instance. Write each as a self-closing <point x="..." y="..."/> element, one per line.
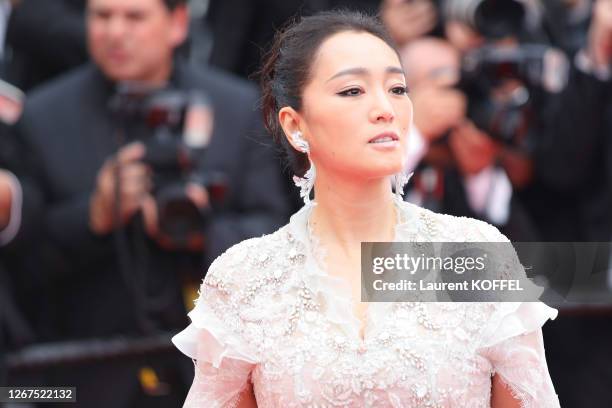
<point x="382" y="110"/>
<point x="384" y="115"/>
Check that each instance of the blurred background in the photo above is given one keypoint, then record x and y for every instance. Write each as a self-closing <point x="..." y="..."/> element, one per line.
<point x="130" y="159"/>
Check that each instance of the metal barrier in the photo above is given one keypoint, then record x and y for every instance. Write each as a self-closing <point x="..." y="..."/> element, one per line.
<point x="86" y="351"/>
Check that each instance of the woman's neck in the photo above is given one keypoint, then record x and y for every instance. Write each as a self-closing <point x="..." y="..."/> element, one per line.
<point x="348" y="213"/>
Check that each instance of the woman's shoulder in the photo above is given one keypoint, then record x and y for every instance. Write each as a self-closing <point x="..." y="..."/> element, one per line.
<point x="488" y="323"/>
<point x="248" y="255"/>
<point x="234" y="305"/>
<point x="250" y="260"/>
<point x="430" y="225"/>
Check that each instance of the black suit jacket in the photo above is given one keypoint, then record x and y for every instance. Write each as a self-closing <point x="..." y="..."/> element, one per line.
<point x="20" y="295"/>
<point x="572" y="194"/>
<point x="69" y="131"/>
<point x="46" y="39"/>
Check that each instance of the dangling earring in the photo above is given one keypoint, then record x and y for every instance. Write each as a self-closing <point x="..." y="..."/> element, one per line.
<point x="305" y="183"/>
<point x="400" y="180"/>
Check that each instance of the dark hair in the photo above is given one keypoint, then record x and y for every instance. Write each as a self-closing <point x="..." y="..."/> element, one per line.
<point x="286" y="66"/>
<point x="172" y="4"/>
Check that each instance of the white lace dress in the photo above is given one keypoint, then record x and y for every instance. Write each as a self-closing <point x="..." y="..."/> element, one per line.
<point x="270" y="315"/>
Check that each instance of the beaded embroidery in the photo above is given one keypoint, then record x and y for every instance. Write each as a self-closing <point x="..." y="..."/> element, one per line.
<point x="307" y="348"/>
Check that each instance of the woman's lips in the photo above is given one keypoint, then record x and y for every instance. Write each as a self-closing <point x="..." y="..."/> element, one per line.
<point x="385" y="141"/>
<point x="385" y="137"/>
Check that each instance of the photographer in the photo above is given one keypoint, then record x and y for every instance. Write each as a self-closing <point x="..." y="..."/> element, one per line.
<point x="117" y="269"/>
<point x="9" y="220"/>
<point x="466" y="171"/>
<point x="575" y="165"/>
<point x="575" y="155"/>
<point x="565" y="202"/>
<point x="21" y="299"/>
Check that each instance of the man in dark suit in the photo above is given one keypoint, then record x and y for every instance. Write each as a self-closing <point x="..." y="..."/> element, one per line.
<point x="7" y="217"/>
<point x="112" y="275"/>
<point x="20" y="294"/>
<point x="575" y="165"/>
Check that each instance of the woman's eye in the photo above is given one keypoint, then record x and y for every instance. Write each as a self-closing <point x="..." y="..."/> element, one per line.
<point x="399" y="90"/>
<point x="351" y="92"/>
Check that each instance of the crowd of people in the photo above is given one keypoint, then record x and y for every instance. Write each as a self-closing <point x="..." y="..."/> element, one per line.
<point x="133" y="153"/>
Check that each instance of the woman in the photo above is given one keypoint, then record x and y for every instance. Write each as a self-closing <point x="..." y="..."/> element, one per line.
<point x="278" y="316"/>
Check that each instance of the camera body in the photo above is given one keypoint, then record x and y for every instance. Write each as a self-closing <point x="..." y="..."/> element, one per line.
<point x="181" y="125"/>
<point x="506" y="116"/>
<point x="502" y="79"/>
<point x="490" y="18"/>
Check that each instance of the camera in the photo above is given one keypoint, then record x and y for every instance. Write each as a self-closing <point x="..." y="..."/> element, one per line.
<point x="506" y="116"/>
<point x="505" y="81"/>
<point x="181" y="126"/>
<point x="490" y="18"/>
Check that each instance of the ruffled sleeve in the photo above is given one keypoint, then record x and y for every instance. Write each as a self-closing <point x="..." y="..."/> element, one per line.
<point x="223" y="359"/>
<point x="512" y="342"/>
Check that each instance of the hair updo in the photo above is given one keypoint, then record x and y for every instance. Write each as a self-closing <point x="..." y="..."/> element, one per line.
<point x="286" y="66"/>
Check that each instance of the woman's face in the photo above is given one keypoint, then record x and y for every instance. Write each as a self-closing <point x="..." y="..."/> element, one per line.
<point x="356" y="113"/>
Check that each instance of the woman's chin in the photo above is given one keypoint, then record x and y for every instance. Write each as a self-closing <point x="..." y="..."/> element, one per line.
<point x="367" y="168"/>
<point x="390" y="168"/>
<point x="379" y="173"/>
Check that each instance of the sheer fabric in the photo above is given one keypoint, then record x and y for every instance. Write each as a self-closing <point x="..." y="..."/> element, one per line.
<point x="269" y="315"/>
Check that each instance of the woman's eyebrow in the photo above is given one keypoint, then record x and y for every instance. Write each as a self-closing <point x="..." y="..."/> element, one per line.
<point x="364" y="71"/>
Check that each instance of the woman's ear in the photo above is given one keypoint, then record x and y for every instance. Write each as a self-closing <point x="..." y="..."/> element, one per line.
<point x="290" y="121"/>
